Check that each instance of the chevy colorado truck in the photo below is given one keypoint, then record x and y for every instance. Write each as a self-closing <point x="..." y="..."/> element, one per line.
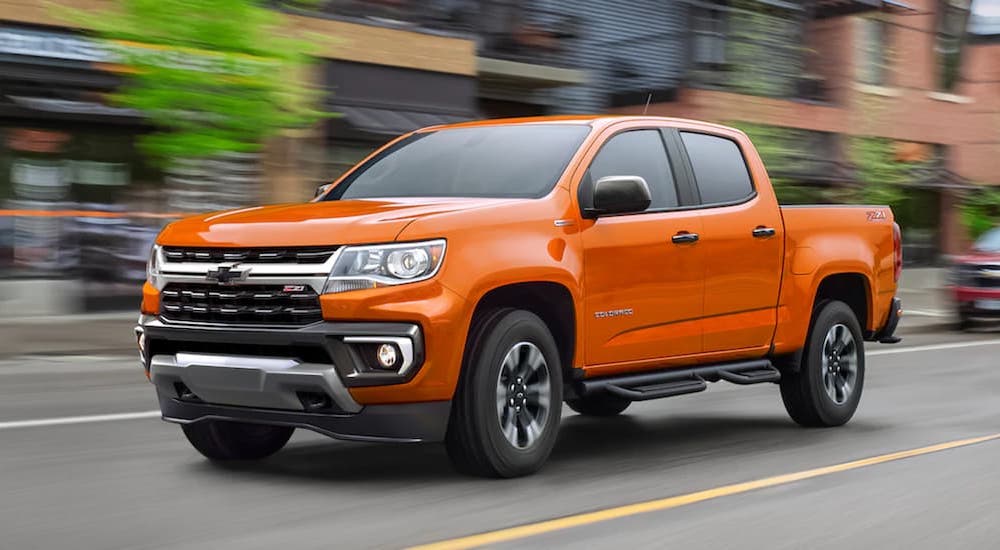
<point x="464" y="281"/>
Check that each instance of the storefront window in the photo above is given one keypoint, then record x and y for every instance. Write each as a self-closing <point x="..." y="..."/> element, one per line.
<point x="73" y="195"/>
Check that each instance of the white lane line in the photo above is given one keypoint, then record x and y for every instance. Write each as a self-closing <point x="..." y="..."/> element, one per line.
<point x="933" y="347"/>
<point x="928" y="312"/>
<point x="77" y="420"/>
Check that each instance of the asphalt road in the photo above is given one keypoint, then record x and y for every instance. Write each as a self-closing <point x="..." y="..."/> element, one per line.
<point x="135" y="483"/>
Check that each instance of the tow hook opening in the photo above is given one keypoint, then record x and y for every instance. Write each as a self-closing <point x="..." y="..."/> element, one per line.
<point x="314" y="401"/>
<point x="184" y="393"/>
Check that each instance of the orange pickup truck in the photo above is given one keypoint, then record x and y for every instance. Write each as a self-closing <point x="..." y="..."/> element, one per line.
<point x="464" y="281"/>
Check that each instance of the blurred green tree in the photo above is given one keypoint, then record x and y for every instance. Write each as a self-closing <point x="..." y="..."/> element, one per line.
<point x="212" y="76"/>
<point x="775" y="145"/>
<point x="880" y="174"/>
<point x="981" y="211"/>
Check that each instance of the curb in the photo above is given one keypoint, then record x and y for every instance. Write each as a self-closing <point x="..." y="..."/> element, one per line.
<point x="926" y="328"/>
<point x="123" y="316"/>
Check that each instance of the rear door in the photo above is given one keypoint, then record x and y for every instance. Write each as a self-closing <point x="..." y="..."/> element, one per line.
<point x="742" y="241"/>
<point x="643" y="290"/>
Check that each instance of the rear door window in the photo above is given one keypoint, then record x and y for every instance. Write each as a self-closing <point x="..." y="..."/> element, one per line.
<point x="719" y="168"/>
<point x="638" y="153"/>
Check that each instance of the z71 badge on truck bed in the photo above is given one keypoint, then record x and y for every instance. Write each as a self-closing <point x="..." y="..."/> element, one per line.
<point x="464" y="281"/>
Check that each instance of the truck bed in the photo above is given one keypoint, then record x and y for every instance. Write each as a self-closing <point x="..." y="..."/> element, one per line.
<point x="860" y="237"/>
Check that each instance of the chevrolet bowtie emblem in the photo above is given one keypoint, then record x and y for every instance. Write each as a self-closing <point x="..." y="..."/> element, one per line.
<point x="227" y="274"/>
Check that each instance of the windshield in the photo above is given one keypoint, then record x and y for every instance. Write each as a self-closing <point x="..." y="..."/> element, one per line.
<point x="990" y="241"/>
<point x="516" y="161"/>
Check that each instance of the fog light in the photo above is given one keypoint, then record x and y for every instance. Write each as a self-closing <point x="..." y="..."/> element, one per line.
<point x="387" y="356"/>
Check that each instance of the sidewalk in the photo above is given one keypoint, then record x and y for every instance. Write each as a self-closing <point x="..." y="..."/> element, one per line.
<point x="924" y="303"/>
<point x="105" y="333"/>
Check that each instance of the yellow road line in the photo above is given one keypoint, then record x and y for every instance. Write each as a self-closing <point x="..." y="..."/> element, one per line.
<point x="579" y="520"/>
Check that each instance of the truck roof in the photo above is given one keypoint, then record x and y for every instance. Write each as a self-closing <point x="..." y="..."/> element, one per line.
<point x="592" y="120"/>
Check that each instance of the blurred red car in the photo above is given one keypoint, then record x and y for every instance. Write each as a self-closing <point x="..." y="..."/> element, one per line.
<point x="975" y="280"/>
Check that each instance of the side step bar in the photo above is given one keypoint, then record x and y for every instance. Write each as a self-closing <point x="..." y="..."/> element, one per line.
<point x="668" y="383"/>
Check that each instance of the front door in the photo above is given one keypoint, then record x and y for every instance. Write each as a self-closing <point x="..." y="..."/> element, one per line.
<point x="643" y="287"/>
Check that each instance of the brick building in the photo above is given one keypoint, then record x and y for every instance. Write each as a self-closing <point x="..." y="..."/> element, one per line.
<point x="832" y="71"/>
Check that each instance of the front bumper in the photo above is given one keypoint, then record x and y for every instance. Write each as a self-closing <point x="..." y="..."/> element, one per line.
<point x="973" y="301"/>
<point x="294" y="376"/>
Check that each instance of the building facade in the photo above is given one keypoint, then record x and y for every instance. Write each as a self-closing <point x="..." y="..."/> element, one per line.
<point x="849" y="94"/>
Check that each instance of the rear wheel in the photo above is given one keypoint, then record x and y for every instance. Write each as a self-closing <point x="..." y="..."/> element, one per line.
<point x="506" y="410"/>
<point x="601" y="404"/>
<point x="965" y="322"/>
<point x="827" y="388"/>
<point x="225" y="440"/>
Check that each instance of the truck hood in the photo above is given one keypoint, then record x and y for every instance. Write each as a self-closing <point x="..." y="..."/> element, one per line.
<point x="312" y="224"/>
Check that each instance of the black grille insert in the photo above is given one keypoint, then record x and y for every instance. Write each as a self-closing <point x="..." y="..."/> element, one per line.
<point x="987" y="282"/>
<point x="294" y="255"/>
<point x="240" y="305"/>
<point x="303" y="352"/>
<point x="982" y="275"/>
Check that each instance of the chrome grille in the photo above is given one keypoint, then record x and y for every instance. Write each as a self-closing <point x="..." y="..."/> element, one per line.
<point x="292" y="255"/>
<point x="243" y="304"/>
<point x="985" y="276"/>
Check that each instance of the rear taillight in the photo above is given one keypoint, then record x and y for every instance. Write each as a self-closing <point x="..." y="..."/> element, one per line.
<point x="897" y="252"/>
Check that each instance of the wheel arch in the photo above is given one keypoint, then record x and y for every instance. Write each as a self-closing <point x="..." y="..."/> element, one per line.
<point x="852" y="288"/>
<point x="551" y="301"/>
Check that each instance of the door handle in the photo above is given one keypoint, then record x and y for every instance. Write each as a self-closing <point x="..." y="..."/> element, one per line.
<point x="684" y="237"/>
<point x="762" y="232"/>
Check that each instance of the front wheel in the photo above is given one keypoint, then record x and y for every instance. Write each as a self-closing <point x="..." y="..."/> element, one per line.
<point x="827" y="388"/>
<point x="225" y="440"/>
<point x="506" y="411"/>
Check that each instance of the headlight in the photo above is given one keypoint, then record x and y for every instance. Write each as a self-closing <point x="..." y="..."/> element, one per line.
<point x="360" y="267"/>
<point x="153" y="267"/>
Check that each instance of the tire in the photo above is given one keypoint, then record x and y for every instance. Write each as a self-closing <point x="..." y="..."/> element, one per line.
<point x="965" y="322"/>
<point x="224" y="440"/>
<point x="501" y="426"/>
<point x="827" y="388"/>
<point x="602" y="404"/>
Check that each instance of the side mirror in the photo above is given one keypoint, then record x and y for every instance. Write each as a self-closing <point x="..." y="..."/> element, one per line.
<point x="620" y="195"/>
<point x="322" y="189"/>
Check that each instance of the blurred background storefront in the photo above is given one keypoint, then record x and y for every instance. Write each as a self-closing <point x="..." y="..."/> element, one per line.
<point x="63" y="150"/>
<point x="848" y="100"/>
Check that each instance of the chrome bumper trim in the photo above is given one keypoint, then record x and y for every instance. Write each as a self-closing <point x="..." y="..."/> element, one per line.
<point x="249" y="381"/>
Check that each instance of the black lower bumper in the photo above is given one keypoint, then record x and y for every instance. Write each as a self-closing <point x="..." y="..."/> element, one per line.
<point x="887" y="334"/>
<point x="970" y="311"/>
<point x="405" y="423"/>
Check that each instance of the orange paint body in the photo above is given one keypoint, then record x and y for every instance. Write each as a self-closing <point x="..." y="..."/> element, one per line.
<point x="726" y="297"/>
